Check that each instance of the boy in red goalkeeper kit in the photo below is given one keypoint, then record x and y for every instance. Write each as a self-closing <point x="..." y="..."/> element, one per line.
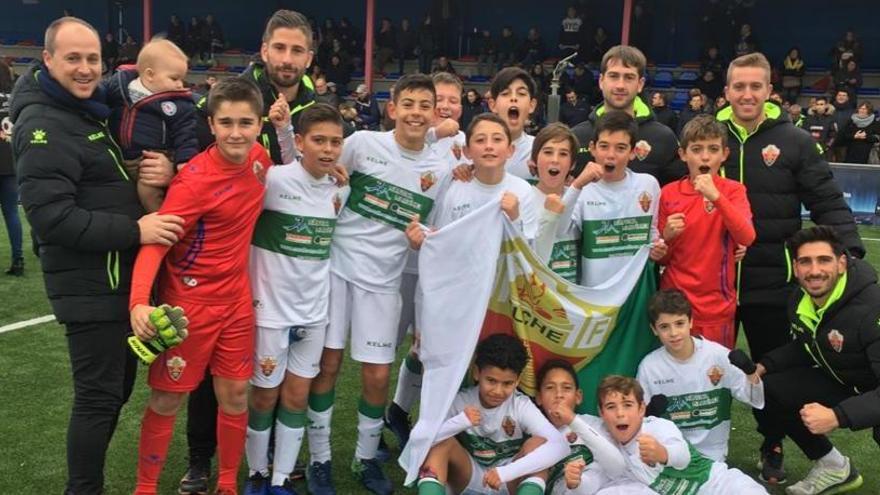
<point x="219" y="194"/>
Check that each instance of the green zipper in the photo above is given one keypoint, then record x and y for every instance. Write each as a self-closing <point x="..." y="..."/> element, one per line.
<point x="113" y="269"/>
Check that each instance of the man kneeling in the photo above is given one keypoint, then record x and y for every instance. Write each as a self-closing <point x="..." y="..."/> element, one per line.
<point x="494" y="440"/>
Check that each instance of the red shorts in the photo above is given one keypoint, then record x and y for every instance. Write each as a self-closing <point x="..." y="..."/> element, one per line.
<point x="220" y="337"/>
<point x="722" y="332"/>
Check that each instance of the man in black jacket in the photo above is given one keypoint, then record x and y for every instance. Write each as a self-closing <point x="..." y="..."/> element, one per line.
<point x="573" y="110"/>
<point x="829" y="376"/>
<point x="782" y="169"/>
<point x="88" y="225"/>
<point x="621" y="80"/>
<point x="285" y="55"/>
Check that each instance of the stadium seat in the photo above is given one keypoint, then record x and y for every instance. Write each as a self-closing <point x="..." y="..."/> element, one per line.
<point x="662" y="79"/>
<point x="679" y="100"/>
<point x="687" y="79"/>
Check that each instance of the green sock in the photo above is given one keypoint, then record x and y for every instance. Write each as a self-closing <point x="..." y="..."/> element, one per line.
<point x="431" y="486"/>
<point x="531" y="486"/>
<point x="322" y="402"/>
<point x="260" y="420"/>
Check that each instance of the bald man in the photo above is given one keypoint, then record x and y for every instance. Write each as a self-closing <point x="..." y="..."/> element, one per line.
<point x="88" y="226"/>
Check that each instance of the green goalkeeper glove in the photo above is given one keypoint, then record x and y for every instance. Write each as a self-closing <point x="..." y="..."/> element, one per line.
<point x="170" y="323"/>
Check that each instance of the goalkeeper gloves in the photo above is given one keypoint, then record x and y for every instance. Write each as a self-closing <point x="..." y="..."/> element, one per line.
<point x="170" y="324"/>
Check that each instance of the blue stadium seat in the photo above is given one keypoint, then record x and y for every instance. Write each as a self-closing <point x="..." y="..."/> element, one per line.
<point x="869" y="92"/>
<point x="679" y="100"/>
<point x="662" y="79"/>
<point x="687" y="79"/>
<point x="382" y="95"/>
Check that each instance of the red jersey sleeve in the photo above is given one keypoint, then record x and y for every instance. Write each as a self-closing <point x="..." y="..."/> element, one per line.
<point x="736" y="213"/>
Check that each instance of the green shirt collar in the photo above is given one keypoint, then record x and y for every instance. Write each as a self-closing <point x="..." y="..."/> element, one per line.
<point x="640" y="109"/>
<point x="807" y="311"/>
<point x="771" y="111"/>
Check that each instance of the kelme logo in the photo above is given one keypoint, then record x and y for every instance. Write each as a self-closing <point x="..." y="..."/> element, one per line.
<point x="39" y="137"/>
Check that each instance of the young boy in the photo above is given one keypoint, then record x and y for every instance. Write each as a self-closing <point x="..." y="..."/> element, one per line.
<point x="552" y="157"/>
<point x="153" y="113"/>
<point x="695" y="375"/>
<point x="290" y="280"/>
<point x="489" y="146"/>
<point x="394" y="177"/>
<point x="219" y="194"/>
<point x="703" y="217"/>
<point x="494" y="439"/>
<point x="618" y="214"/>
<point x="559" y="394"/>
<point x="656" y="453"/>
<point x="513" y="99"/>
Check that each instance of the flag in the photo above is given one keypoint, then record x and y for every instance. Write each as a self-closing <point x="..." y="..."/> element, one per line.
<point x="478" y="276"/>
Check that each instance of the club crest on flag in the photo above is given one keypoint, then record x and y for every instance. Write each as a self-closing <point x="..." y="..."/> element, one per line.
<point x="715" y="374"/>
<point x="642" y="150"/>
<point x="770" y="153"/>
<point x="835" y="339"/>
<point x="175" y="365"/>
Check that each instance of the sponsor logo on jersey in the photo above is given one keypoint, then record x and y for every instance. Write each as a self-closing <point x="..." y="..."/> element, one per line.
<point x="375" y="343"/>
<point x="835" y="338"/>
<point x="508" y="425"/>
<point x="642" y="150"/>
<point x="169" y="108"/>
<point x="590" y="202"/>
<point x="770" y="153"/>
<point x="715" y="374"/>
<point x="428" y="179"/>
<point x="645" y="200"/>
<point x="337" y="203"/>
<point x="175" y="365"/>
<point x="708" y="205"/>
<point x="267" y="365"/>
<point x="375" y="160"/>
<point x="96" y="136"/>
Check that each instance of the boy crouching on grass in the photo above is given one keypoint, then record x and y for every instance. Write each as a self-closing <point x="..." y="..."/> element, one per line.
<point x="495" y="440"/>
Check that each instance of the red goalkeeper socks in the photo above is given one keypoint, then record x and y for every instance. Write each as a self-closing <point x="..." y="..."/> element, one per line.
<point x="156" y="431"/>
<point x="231" y="435"/>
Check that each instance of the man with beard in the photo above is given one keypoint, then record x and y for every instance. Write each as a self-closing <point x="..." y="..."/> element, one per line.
<point x="285" y="54"/>
<point x="827" y="378"/>
<point x="621" y="80"/>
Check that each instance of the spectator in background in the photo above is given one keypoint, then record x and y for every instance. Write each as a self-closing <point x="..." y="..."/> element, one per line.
<point x="323" y="94"/>
<point x="443" y="65"/>
<point x="486" y="53"/>
<point x="470" y="107"/>
<point x="349" y="117"/>
<point x="860" y="134"/>
<point x="570" y="34"/>
<point x="507" y="47"/>
<point x="212" y="38"/>
<point x="204" y="88"/>
<point x="852" y="44"/>
<point x="710" y="84"/>
<point x="746" y="42"/>
<point x="720" y="103"/>
<point x="193" y="43"/>
<point x="128" y="52"/>
<point x="109" y="51"/>
<point x="693" y="108"/>
<point x="849" y="79"/>
<point x="347" y="36"/>
<point x="406" y="44"/>
<point x="533" y="48"/>
<point x="793" y="69"/>
<point x="8" y="184"/>
<point x="574" y="109"/>
<point x="641" y="27"/>
<point x="662" y="112"/>
<point x="820" y="123"/>
<point x="176" y="32"/>
<point x="581" y="81"/>
<point x="797" y="118"/>
<point x="844" y="107"/>
<point x="542" y="80"/>
<point x="776" y="97"/>
<point x="385" y="45"/>
<point x="712" y="61"/>
<point x="338" y="73"/>
<point x="599" y="44"/>
<point x="427" y="44"/>
<point x="368" y="115"/>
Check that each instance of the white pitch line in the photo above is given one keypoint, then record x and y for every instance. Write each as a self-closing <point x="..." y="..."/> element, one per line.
<point x="26" y="323"/>
<point x="870" y="239"/>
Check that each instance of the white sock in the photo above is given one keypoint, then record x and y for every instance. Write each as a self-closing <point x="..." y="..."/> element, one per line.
<point x="833" y="458"/>
<point x="287" y="444"/>
<point x="409" y="386"/>
<point x="319" y="434"/>
<point x="257" y="451"/>
<point x="369" y="432"/>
